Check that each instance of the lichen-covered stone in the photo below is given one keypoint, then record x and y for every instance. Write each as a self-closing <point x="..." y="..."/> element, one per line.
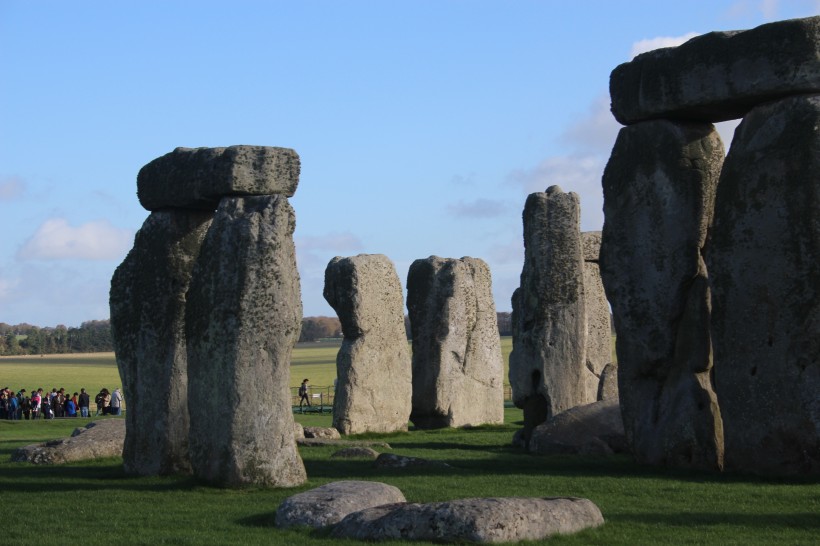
<point x="197" y="178"/>
<point x="328" y="504"/>
<point x="458" y="370"/>
<point x="99" y="439"/>
<point x="548" y="371"/>
<point x="764" y="270"/>
<point x="719" y="75"/>
<point x="487" y="520"/>
<point x="148" y="297"/>
<point x="598" y="350"/>
<point x="242" y="319"/>
<point x="591" y="429"/>
<point x="659" y="188"/>
<point x="373" y="365"/>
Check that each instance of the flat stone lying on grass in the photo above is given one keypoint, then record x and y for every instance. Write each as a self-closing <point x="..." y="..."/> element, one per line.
<point x="487" y="520"/>
<point x="330" y="503"/>
<point x="591" y="429"/>
<point x="389" y="460"/>
<point x="356" y="452"/>
<point x="97" y="440"/>
<point x="322" y="432"/>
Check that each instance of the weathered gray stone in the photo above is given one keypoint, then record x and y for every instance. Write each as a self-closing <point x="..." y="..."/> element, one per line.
<point x="488" y="520"/>
<point x="598" y="348"/>
<point x="458" y="369"/>
<point x="197" y="178"/>
<point x="390" y="460"/>
<point x="764" y="269"/>
<point x="330" y="503"/>
<point x="659" y="190"/>
<point x="298" y="431"/>
<point x="330" y="442"/>
<point x="591" y="429"/>
<point x="242" y="319"/>
<point x="97" y="440"/>
<point x="608" y="388"/>
<point x="720" y="75"/>
<point x="356" y="452"/>
<point x="548" y="371"/>
<point x="322" y="432"/>
<point x="373" y="365"/>
<point x="148" y="295"/>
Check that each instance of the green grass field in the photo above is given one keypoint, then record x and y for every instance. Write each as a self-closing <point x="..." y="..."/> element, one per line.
<point x="95" y="501"/>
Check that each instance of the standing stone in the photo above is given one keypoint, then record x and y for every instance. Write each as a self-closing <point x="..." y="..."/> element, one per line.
<point x="599" y="334"/>
<point x="373" y="365"/>
<point x="548" y="372"/>
<point x="659" y="188"/>
<point x="197" y="178"/>
<point x="458" y="368"/>
<point x="243" y="317"/>
<point x="764" y="270"/>
<point x="719" y="75"/>
<point x="148" y="298"/>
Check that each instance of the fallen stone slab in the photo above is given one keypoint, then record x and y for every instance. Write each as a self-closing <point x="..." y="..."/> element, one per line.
<point x="483" y="520"/>
<point x="719" y="75"/>
<point x="322" y="432"/>
<point x="330" y="503"/>
<point x="324" y="442"/>
<point x="389" y="460"/>
<point x="355" y="452"/>
<point x="97" y="440"/>
<point x="197" y="178"/>
<point x="591" y="429"/>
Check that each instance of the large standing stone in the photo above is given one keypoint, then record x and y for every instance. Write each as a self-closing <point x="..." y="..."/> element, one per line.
<point x="548" y="371"/>
<point x="148" y="296"/>
<point x="373" y="365"/>
<point x="659" y="188"/>
<point x="599" y="334"/>
<point x="484" y="520"/>
<point x="243" y="317"/>
<point x="199" y="177"/>
<point x="458" y="370"/>
<point x="720" y="75"/>
<point x="764" y="270"/>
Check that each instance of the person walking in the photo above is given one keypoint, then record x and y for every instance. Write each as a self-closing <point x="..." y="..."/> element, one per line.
<point x="303" y="393"/>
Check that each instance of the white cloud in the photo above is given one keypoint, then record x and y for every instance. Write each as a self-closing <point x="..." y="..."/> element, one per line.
<point x="595" y="133"/>
<point x="649" y="44"/>
<point x="55" y="239"/>
<point x="479" y="208"/>
<point x="7" y="287"/>
<point x="11" y="188"/>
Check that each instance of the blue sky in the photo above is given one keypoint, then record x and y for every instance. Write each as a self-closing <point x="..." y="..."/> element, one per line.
<point x="422" y="126"/>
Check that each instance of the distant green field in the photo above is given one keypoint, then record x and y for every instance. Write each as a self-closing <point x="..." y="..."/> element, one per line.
<point x="315" y="361"/>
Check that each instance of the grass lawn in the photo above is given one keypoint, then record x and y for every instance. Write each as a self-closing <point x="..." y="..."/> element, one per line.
<point x="95" y="501"/>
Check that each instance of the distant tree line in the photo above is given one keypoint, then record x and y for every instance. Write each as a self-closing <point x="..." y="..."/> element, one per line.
<point x="93" y="336"/>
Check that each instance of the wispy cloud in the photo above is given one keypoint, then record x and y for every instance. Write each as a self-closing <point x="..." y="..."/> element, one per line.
<point x="595" y="132"/>
<point x="11" y="187"/>
<point x="479" y="208"/>
<point x="463" y="180"/>
<point x="338" y="242"/>
<point x="56" y="239"/>
<point x="649" y="44"/>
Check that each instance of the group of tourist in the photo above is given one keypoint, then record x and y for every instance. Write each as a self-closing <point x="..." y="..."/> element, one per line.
<point x="57" y="403"/>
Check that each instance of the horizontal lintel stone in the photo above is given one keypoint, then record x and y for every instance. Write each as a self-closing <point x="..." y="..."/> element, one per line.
<point x="720" y="75"/>
<point x="197" y="178"/>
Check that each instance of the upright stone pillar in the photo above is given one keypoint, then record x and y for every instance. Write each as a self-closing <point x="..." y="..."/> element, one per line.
<point x="548" y="372"/>
<point x="148" y="297"/>
<point x="659" y="188"/>
<point x="764" y="269"/>
<point x="599" y="333"/>
<point x="373" y="365"/>
<point x="243" y="317"/>
<point x="458" y="369"/>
